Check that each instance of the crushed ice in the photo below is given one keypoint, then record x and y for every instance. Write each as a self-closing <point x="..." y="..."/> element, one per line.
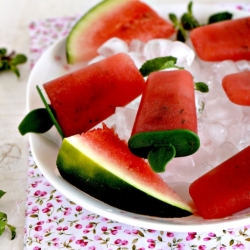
<point x="223" y="127"/>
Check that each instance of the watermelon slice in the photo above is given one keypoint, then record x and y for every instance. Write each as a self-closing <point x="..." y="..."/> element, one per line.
<point x="125" y="19"/>
<point x="100" y="164"/>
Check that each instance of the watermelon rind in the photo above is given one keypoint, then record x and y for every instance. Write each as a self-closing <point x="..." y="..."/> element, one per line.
<point x="85" y="23"/>
<point x="80" y="165"/>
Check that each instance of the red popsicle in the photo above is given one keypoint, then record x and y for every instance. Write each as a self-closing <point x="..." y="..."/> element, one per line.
<point x="224" y="190"/>
<point x="225" y="40"/>
<point x="85" y="97"/>
<point x="237" y="87"/>
<point x="166" y="121"/>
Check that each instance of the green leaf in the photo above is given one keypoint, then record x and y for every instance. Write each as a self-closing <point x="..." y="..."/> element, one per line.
<point x="201" y="86"/>
<point x="2" y="193"/>
<point x="3" y="52"/>
<point x="218" y="17"/>
<point x="50" y="112"/>
<point x="12" y="230"/>
<point x="10" y="61"/>
<point x="36" y="121"/>
<point x="19" y="59"/>
<point x="173" y="18"/>
<point x="157" y="64"/>
<point x="3" y="222"/>
<point x="15" y="70"/>
<point x="190" y="7"/>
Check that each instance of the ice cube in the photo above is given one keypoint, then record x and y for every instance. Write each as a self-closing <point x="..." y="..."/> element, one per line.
<point x="224" y="68"/>
<point x="136" y="46"/>
<point x="236" y="132"/>
<point x="184" y="54"/>
<point x="224" y="152"/>
<point x="212" y="134"/>
<point x="243" y="65"/>
<point x="113" y="46"/>
<point x="156" y="48"/>
<point x="124" y="121"/>
<point x="138" y="58"/>
<point x="224" y="111"/>
<point x="179" y="169"/>
<point x="96" y="59"/>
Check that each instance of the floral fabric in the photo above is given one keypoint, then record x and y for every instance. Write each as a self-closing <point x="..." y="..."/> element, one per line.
<point x="54" y="222"/>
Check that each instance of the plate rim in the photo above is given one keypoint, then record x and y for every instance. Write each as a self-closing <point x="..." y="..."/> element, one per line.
<point x="133" y="219"/>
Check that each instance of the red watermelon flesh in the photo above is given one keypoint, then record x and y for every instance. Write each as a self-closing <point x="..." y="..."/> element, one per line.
<point x="237" y="87"/>
<point x="224" y="190"/>
<point x="85" y="97"/>
<point x="125" y="19"/>
<point x="100" y="164"/>
<point x="225" y="40"/>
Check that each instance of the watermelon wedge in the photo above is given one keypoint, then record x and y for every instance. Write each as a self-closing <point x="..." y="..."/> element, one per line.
<point x="100" y="164"/>
<point x="125" y="19"/>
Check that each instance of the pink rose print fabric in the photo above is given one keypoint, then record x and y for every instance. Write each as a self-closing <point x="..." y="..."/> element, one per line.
<point x="54" y="222"/>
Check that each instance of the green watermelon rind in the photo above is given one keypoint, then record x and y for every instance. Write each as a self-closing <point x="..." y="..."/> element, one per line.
<point x="77" y="163"/>
<point x="85" y="23"/>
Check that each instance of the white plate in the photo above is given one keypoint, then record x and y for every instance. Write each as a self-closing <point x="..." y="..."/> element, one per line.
<point x="45" y="151"/>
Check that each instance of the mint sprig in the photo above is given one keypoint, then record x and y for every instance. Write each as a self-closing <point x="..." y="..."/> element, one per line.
<point x="4" y="222"/>
<point x="201" y="86"/>
<point x="218" y="17"/>
<point x="188" y="21"/>
<point x="10" y="61"/>
<point x="157" y="64"/>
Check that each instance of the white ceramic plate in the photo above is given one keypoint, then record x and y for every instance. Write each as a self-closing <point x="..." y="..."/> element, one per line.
<point x="45" y="151"/>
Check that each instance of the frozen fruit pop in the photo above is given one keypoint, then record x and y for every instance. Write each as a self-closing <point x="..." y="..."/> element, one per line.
<point x="82" y="99"/>
<point x="224" y="190"/>
<point x="166" y="123"/>
<point x="237" y="87"/>
<point x="225" y="40"/>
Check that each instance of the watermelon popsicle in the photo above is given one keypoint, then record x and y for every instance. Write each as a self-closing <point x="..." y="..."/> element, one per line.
<point x="225" y="40"/>
<point x="166" y="123"/>
<point x="225" y="189"/>
<point x="82" y="99"/>
<point x="237" y="87"/>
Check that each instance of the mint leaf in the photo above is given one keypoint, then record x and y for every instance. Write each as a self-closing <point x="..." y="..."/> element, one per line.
<point x="187" y="22"/>
<point x="15" y="70"/>
<point x="3" y="222"/>
<point x="157" y="64"/>
<point x="10" y="61"/>
<point x="3" y="51"/>
<point x="12" y="230"/>
<point x="201" y="86"/>
<point x="222" y="16"/>
<point x="2" y="193"/>
<point x="19" y="59"/>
